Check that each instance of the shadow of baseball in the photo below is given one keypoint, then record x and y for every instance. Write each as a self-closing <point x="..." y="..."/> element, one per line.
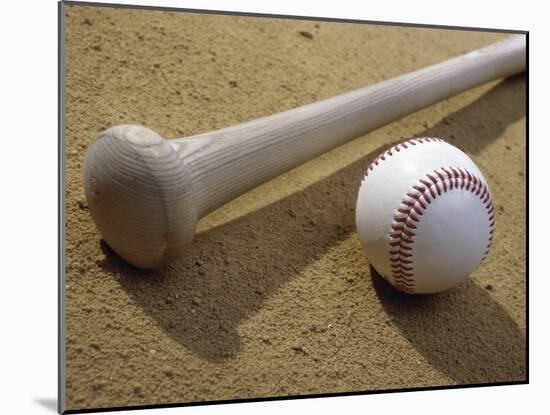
<point x="462" y="332"/>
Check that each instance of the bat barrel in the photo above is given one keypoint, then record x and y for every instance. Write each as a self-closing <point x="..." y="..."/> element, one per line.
<point x="140" y="195"/>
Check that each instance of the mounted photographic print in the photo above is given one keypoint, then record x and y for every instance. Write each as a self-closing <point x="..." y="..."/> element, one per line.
<point x="264" y="207"/>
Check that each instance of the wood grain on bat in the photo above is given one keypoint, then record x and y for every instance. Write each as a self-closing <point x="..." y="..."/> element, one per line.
<point x="146" y="194"/>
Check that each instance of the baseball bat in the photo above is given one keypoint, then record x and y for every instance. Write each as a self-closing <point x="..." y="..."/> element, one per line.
<point x="146" y="194"/>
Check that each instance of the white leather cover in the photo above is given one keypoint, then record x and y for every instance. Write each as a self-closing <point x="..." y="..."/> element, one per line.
<point x="424" y="215"/>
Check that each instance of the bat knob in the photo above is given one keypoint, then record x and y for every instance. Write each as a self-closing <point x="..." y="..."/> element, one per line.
<point x="140" y="195"/>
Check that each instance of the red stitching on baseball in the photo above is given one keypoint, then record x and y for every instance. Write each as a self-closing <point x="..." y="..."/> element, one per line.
<point x="404" y="145"/>
<point x="416" y="202"/>
<point x="404" y="220"/>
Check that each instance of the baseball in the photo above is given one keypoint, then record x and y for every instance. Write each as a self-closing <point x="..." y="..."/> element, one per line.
<point x="424" y="215"/>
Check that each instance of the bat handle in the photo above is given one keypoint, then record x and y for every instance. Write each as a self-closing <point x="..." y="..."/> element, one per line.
<point x="226" y="163"/>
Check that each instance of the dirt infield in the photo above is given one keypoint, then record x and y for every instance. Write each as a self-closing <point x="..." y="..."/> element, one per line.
<point x="276" y="296"/>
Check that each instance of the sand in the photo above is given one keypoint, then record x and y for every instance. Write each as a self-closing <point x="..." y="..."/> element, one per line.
<point x="276" y="296"/>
